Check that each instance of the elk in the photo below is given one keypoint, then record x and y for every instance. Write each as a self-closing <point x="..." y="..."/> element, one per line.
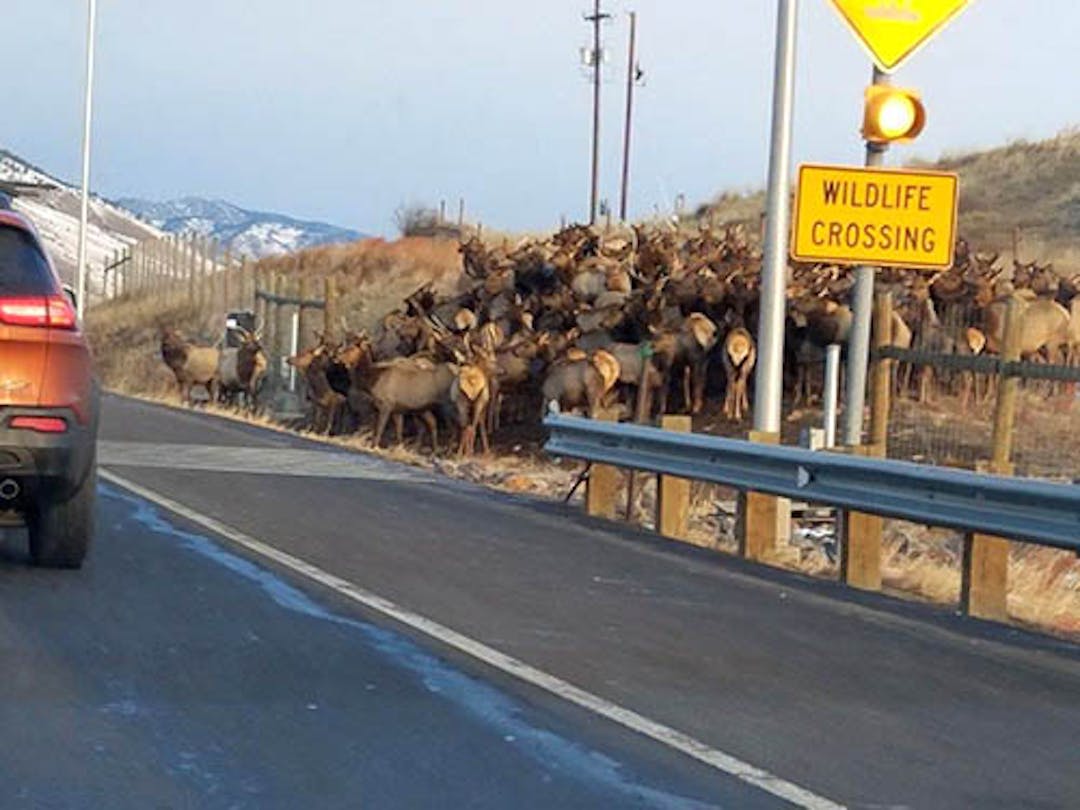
<point x="740" y="355"/>
<point x="329" y="405"/>
<point x="686" y="349"/>
<point x="470" y="393"/>
<point x="242" y="370"/>
<point x="637" y="368"/>
<point x="1044" y="326"/>
<point x="191" y="365"/>
<point x="950" y="338"/>
<point x="581" y="380"/>
<point x="413" y="385"/>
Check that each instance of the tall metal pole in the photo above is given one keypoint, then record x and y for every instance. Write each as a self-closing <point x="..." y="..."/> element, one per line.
<point x="858" y="359"/>
<point x="596" y="19"/>
<point x="88" y="112"/>
<point x="631" y="80"/>
<point x="768" y="399"/>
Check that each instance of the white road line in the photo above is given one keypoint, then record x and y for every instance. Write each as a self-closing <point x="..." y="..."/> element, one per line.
<point x="728" y="764"/>
<point x="255" y="461"/>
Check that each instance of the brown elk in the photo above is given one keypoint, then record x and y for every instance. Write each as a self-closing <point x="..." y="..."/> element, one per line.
<point x="329" y="405"/>
<point x="581" y="381"/>
<point x="740" y="356"/>
<point x="686" y="350"/>
<point x="1044" y="327"/>
<point x="191" y="364"/>
<point x="413" y="385"/>
<point x="470" y="393"/>
<point x="242" y="370"/>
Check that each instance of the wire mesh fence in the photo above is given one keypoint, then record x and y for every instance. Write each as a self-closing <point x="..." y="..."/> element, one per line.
<point x="948" y="394"/>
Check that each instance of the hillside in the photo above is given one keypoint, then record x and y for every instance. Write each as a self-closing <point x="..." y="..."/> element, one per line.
<point x="256" y="234"/>
<point x="54" y="208"/>
<point x="1034" y="186"/>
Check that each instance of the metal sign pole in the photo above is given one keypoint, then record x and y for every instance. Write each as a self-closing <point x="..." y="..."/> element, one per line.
<point x="832" y="392"/>
<point x="858" y="358"/>
<point x="768" y="399"/>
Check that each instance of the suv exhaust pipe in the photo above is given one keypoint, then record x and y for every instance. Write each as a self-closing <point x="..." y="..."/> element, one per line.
<point x="9" y="489"/>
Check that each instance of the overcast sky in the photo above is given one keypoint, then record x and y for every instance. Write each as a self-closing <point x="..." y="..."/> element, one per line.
<point x="344" y="109"/>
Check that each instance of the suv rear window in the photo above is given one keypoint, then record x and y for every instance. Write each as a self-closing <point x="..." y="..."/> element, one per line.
<point x="23" y="267"/>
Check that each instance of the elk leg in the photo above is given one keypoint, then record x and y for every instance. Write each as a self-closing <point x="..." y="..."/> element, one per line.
<point x="688" y="402"/>
<point x="433" y="428"/>
<point x="380" y="426"/>
<point x="699" y="378"/>
<point x="485" y="439"/>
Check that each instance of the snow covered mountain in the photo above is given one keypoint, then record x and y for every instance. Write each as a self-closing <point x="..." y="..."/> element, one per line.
<point x="53" y="206"/>
<point x="251" y="233"/>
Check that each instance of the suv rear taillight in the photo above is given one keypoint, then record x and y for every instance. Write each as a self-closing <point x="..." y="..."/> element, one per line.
<point x="50" y="311"/>
<point x="39" y="424"/>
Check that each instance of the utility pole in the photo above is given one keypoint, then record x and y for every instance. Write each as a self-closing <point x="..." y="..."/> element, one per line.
<point x="84" y="212"/>
<point x="596" y="18"/>
<point x="863" y="315"/>
<point x="633" y="76"/>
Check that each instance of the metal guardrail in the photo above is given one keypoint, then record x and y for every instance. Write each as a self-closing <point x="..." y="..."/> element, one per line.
<point x="1015" y="508"/>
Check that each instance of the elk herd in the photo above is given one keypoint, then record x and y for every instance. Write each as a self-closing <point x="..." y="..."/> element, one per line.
<point x="636" y="323"/>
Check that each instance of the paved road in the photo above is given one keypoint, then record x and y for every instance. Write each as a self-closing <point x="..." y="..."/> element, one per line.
<point x="178" y="670"/>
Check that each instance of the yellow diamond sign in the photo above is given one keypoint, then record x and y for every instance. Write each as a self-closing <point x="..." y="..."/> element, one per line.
<point x="892" y="30"/>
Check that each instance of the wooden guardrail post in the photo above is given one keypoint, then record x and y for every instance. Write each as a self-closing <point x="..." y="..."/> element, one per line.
<point x="860" y="540"/>
<point x="861" y="534"/>
<point x="602" y="486"/>
<point x="984" y="581"/>
<point x="763" y="519"/>
<point x="673" y="494"/>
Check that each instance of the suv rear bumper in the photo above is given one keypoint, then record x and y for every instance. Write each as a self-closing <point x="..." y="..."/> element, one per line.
<point x="51" y="465"/>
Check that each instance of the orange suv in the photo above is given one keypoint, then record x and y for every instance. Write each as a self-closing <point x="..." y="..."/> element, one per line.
<point x="48" y="404"/>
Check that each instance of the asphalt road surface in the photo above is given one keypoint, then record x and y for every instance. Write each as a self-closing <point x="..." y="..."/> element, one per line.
<point x="269" y="622"/>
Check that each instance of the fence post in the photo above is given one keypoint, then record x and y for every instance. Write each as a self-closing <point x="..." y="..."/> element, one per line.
<point x="763" y="519"/>
<point x="304" y="328"/>
<point x="226" y="271"/>
<point x="984" y="583"/>
<point x="174" y="271"/>
<point x="281" y="323"/>
<point x="882" y="380"/>
<point x="673" y="494"/>
<point x="259" y="284"/>
<point x="603" y="484"/>
<point x="242" y="270"/>
<point x="192" y="246"/>
<point x="330" y="310"/>
<point x="212" y="275"/>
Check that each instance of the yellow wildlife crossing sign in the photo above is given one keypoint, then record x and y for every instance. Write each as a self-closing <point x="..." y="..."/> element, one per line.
<point x="892" y="30"/>
<point x="880" y="217"/>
